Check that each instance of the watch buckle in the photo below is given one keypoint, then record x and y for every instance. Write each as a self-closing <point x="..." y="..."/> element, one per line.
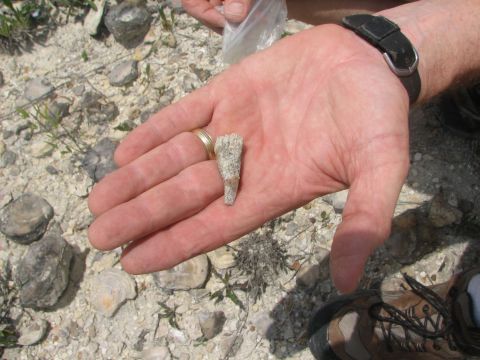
<point x="402" y="71"/>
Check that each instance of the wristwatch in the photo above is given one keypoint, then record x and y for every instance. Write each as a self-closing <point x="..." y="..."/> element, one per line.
<point x="398" y="51"/>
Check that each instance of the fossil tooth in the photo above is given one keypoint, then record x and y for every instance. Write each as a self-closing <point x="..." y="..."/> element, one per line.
<point x="228" y="150"/>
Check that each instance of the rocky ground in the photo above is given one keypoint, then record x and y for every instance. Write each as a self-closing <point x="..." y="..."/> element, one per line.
<point x="81" y="95"/>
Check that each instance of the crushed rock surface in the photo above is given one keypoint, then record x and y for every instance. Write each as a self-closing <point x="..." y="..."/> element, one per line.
<point x="273" y="327"/>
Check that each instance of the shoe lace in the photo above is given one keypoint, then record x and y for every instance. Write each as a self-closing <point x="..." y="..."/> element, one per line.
<point x="426" y="326"/>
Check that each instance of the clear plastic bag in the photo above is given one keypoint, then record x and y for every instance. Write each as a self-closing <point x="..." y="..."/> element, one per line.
<point x="262" y="27"/>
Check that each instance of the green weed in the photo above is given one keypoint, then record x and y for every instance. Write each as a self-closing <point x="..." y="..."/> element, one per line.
<point x="49" y="123"/>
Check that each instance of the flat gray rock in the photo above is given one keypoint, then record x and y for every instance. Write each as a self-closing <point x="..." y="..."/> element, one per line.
<point x="7" y="158"/>
<point x="33" y="333"/>
<point x="441" y="213"/>
<point x="110" y="289"/>
<point x="128" y="23"/>
<point x="98" y="161"/>
<point x="211" y="323"/>
<point x="124" y="73"/>
<point x="26" y="218"/>
<point x="94" y="18"/>
<point x="43" y="272"/>
<point x="188" y="275"/>
<point x="337" y="200"/>
<point x="38" y="88"/>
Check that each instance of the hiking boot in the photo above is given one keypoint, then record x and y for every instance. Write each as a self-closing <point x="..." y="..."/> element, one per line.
<point x="424" y="323"/>
<point x="461" y="111"/>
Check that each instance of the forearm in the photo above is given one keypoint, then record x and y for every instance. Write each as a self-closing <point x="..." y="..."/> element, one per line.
<point x="446" y="34"/>
<point x="317" y="12"/>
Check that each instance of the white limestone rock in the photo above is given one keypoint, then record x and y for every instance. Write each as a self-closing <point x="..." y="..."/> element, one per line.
<point x="228" y="150"/>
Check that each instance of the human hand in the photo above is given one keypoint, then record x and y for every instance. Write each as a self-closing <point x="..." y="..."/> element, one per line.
<point x="319" y="111"/>
<point x="205" y="12"/>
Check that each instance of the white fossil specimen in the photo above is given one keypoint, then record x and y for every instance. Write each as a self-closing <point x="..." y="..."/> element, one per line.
<point x="228" y="150"/>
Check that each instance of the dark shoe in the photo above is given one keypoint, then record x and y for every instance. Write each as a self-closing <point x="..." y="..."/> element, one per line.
<point x="461" y="111"/>
<point x="422" y="323"/>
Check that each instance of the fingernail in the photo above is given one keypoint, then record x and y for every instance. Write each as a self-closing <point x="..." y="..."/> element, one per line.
<point x="234" y="9"/>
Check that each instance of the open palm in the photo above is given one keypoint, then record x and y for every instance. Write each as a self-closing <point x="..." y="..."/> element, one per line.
<point x="319" y="112"/>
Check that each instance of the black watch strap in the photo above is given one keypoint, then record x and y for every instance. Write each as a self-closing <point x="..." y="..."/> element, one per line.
<point x="398" y="51"/>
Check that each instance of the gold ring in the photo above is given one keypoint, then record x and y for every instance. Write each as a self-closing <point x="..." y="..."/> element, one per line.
<point x="207" y="141"/>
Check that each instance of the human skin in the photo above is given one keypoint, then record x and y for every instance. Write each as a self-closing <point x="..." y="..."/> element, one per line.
<point x="333" y="116"/>
<point x="313" y="12"/>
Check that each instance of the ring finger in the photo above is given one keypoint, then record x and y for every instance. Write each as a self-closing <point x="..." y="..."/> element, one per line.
<point x="152" y="168"/>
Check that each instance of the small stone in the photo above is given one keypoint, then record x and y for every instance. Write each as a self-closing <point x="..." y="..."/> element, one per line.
<point x="94" y="17"/>
<point x="27" y="134"/>
<point x="6" y="134"/>
<point x="308" y="275"/>
<point x="58" y="109"/>
<point x="403" y="239"/>
<point x="177" y="336"/>
<point x="110" y="289"/>
<point x="90" y="99"/>
<point x="202" y="74"/>
<point x="292" y="229"/>
<point x="222" y="258"/>
<point x="190" y="83"/>
<point x="21" y="126"/>
<point x="337" y="200"/>
<point x="452" y="200"/>
<point x="96" y="109"/>
<point x="124" y="73"/>
<point x="41" y="149"/>
<point x="2" y="81"/>
<point x="442" y="213"/>
<point x="188" y="275"/>
<point x="104" y="260"/>
<point x="33" y="333"/>
<point x="264" y="324"/>
<point x="156" y="353"/>
<point x="417" y="157"/>
<point x="43" y="272"/>
<point x="79" y="90"/>
<point x="51" y="170"/>
<point x="2" y="148"/>
<point x="322" y="256"/>
<point x="229" y="346"/>
<point x="98" y="161"/>
<point x="25" y="219"/>
<point x="228" y="150"/>
<point x="211" y="323"/>
<point x="38" y="88"/>
<point x="169" y="40"/>
<point x="7" y="158"/>
<point x="128" y="23"/>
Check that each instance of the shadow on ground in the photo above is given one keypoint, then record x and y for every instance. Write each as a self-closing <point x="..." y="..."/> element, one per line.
<point x="455" y="164"/>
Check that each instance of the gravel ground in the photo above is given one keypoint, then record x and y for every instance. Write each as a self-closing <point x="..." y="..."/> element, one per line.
<point x="107" y="314"/>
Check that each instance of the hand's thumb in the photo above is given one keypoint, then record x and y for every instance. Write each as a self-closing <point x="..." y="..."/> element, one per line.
<point x="237" y="10"/>
<point x="366" y="224"/>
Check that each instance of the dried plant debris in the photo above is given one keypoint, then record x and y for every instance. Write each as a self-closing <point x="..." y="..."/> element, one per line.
<point x="261" y="258"/>
<point x="228" y="150"/>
